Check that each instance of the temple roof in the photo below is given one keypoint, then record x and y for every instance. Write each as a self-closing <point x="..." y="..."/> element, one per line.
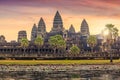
<point x="41" y="23"/>
<point x="84" y="23"/>
<point x="57" y="18"/>
<point x="72" y="29"/>
<point x="34" y="27"/>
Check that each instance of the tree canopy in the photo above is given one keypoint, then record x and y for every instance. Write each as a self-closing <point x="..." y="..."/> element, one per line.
<point x="39" y="41"/>
<point x="92" y="41"/>
<point x="113" y="33"/>
<point x="74" y="49"/>
<point x="24" y="42"/>
<point x="57" y="41"/>
<point x="112" y="36"/>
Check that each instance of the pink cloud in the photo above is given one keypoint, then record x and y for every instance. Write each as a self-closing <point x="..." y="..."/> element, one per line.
<point x="26" y="12"/>
<point x="106" y="8"/>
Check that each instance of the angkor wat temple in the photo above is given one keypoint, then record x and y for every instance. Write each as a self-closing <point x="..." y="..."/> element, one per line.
<point x="14" y="49"/>
<point x="70" y="35"/>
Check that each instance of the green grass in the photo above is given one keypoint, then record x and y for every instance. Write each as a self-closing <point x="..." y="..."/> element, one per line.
<point x="33" y="62"/>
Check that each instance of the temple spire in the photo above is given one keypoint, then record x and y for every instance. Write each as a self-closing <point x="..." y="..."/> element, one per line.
<point x="41" y="24"/>
<point x="41" y="28"/>
<point x="84" y="23"/>
<point x="85" y="28"/>
<point x="34" y="33"/>
<point x="72" y="29"/>
<point x="57" y="23"/>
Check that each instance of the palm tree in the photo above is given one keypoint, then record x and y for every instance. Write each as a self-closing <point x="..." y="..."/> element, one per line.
<point x="24" y="43"/>
<point x="53" y="42"/>
<point x="109" y="38"/>
<point x="39" y="42"/>
<point x="115" y="33"/>
<point x="92" y="41"/>
<point x="112" y="36"/>
<point x="110" y="29"/>
<point x="74" y="49"/>
<point x="62" y="45"/>
<point x="57" y="41"/>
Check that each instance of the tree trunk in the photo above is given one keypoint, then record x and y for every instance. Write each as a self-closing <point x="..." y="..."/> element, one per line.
<point x="92" y="49"/>
<point x="111" y="59"/>
<point x="24" y="51"/>
<point x="54" y="50"/>
<point x="38" y="51"/>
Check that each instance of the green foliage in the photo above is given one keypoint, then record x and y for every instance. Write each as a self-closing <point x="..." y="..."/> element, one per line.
<point x="24" y="42"/>
<point x="113" y="32"/>
<point x="39" y="41"/>
<point x="75" y="76"/>
<point x="57" y="41"/>
<point x="109" y="27"/>
<point x="74" y="50"/>
<point x="61" y="44"/>
<point x="92" y="41"/>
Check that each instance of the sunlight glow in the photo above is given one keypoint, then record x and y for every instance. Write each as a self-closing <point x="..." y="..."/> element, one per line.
<point x="106" y="32"/>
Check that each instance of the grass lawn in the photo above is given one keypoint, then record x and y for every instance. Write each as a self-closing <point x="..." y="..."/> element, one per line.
<point x="33" y="62"/>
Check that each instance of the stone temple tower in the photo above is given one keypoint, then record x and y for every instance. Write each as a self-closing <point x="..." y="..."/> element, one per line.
<point x="72" y="29"/>
<point x="85" y="29"/>
<point x="41" y="28"/>
<point x="22" y="34"/>
<point x="84" y="34"/>
<point x="34" y="33"/>
<point x="57" y="23"/>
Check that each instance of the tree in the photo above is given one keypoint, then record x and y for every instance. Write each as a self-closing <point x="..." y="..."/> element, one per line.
<point x="57" y="41"/>
<point x="62" y="44"/>
<point x="74" y="49"/>
<point x="92" y="41"/>
<point x="39" y="42"/>
<point x="112" y="35"/>
<point x="109" y="27"/>
<point x="110" y="30"/>
<point x="24" y="43"/>
<point x="115" y="33"/>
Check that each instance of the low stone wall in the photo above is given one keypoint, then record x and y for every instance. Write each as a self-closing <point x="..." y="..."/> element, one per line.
<point x="49" y="68"/>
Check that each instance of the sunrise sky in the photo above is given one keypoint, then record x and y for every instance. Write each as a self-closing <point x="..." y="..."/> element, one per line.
<point x="16" y="15"/>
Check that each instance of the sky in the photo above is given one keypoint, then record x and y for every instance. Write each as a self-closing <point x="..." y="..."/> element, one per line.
<point x="16" y="15"/>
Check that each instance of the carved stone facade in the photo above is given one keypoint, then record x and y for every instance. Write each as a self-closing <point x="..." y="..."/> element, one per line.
<point x="21" y="34"/>
<point x="41" y="28"/>
<point x="71" y="37"/>
<point x="57" y="23"/>
<point x="85" y="28"/>
<point x="72" y="29"/>
<point x="38" y="31"/>
<point x="34" y="33"/>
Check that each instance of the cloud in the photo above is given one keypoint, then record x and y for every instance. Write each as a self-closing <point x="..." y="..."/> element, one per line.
<point x="26" y="12"/>
<point x="108" y="8"/>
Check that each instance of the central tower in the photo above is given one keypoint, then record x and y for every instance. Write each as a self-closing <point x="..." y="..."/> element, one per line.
<point x="41" y="28"/>
<point x="57" y="23"/>
<point x="85" y="29"/>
